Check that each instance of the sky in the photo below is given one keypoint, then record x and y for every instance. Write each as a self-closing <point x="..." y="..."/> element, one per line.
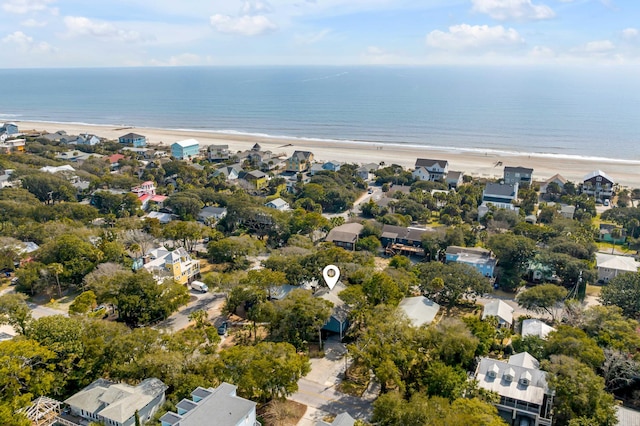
<point x="128" y="33"/>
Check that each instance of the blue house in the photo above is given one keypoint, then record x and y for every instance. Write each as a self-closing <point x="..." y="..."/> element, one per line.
<point x="332" y="166"/>
<point x="338" y="321"/>
<point x="138" y="141"/>
<point x="87" y="139"/>
<point x="185" y="149"/>
<point x="481" y="259"/>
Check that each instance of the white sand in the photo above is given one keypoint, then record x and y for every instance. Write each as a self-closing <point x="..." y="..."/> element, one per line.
<point x="478" y="164"/>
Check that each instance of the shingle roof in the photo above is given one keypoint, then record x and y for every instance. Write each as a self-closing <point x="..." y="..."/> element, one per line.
<point x="424" y="162"/>
<point x="518" y="169"/>
<point x="500" y="189"/>
<point x="131" y="136"/>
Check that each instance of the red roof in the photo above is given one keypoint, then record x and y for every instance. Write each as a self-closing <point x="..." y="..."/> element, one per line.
<point x="115" y="158"/>
<point x="144" y="197"/>
<point x="159" y="198"/>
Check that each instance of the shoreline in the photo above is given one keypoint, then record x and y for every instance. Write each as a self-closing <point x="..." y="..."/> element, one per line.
<point x="477" y="162"/>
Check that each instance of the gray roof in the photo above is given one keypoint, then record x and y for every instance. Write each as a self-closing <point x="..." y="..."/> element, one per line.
<point x="256" y="174"/>
<point x="343" y="419"/>
<point x="522" y="170"/>
<point x="627" y="416"/>
<point x="211" y="211"/>
<point x="277" y="203"/>
<point x="220" y="406"/>
<point x="121" y="400"/>
<point x="424" y="162"/>
<point x="301" y="155"/>
<point x="500" y="189"/>
<point x="419" y="309"/>
<point x="532" y="392"/>
<point x="131" y="136"/>
<point x="410" y="233"/>
<point x="453" y="176"/>
<point x="345" y="233"/>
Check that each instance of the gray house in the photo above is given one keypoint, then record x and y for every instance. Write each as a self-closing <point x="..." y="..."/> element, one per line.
<point x="519" y="175"/>
<point x="115" y="404"/>
<point x="219" y="406"/>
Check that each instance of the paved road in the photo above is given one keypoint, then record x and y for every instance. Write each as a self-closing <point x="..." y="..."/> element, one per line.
<point x="364" y="198"/>
<point x="210" y="302"/>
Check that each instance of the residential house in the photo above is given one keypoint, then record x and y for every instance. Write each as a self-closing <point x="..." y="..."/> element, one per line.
<point x="87" y="139"/>
<point x="535" y="327"/>
<point x="610" y="266"/>
<point x="500" y="195"/>
<point x="278" y="204"/>
<point x="115" y="404"/>
<point x="300" y="161"/>
<point x="145" y="192"/>
<point x="332" y="166"/>
<point x="501" y="310"/>
<point x="339" y="320"/>
<point x="627" y="416"/>
<point x="518" y="175"/>
<point x="256" y="178"/>
<point x="12" y="146"/>
<point x="114" y="160"/>
<point x="138" y="141"/>
<point x="219" y="406"/>
<point x="185" y="149"/>
<point x="481" y="259"/>
<point x="454" y="179"/>
<point x="345" y="236"/>
<point x="433" y="170"/>
<point x="228" y="172"/>
<point x="177" y="264"/>
<point x="57" y="169"/>
<point x="567" y="211"/>
<point x="403" y="241"/>
<point x="218" y="152"/>
<point x="8" y="129"/>
<point x="342" y="419"/>
<point x="162" y="217"/>
<point x="525" y="396"/>
<point x="365" y="172"/>
<point x="210" y="214"/>
<point x="539" y="272"/>
<point x="598" y="185"/>
<point x="419" y="310"/>
<point x="606" y="234"/>
<point x="556" y="181"/>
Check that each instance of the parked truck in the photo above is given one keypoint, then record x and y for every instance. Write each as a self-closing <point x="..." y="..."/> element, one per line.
<point x="199" y="286"/>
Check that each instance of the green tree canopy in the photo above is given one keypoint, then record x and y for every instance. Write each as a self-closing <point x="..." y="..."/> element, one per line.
<point x="623" y="291"/>
<point x="542" y="298"/>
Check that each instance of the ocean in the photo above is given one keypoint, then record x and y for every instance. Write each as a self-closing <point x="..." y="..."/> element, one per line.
<point x="559" y="111"/>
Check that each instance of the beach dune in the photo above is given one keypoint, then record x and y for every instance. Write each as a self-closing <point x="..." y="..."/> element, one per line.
<point x="477" y="163"/>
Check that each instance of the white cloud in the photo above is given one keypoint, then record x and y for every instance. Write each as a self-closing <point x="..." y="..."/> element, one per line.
<point x="541" y="52"/>
<point x="599" y="46"/>
<point x="630" y="33"/>
<point x="256" y="8"/>
<point x="27" y="6"/>
<point x="464" y="37"/>
<point x="81" y="26"/>
<point x="311" y="38"/>
<point x="520" y="10"/>
<point x="243" y="25"/>
<point x="25" y="43"/>
<point x="32" y="23"/>
<point x="183" y="60"/>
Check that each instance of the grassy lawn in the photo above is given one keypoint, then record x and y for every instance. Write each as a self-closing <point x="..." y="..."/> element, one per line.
<point x="594" y="290"/>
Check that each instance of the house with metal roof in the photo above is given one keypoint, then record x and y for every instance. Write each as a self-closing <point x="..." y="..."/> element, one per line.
<point x="525" y="397"/>
<point x="611" y="265"/>
<point x="419" y="310"/>
<point x="518" y="175"/>
<point x="342" y="419"/>
<point x="210" y="214"/>
<point x="598" y="185"/>
<point x="501" y="310"/>
<point x="115" y="404"/>
<point x="481" y="259"/>
<point x="219" y="406"/>
<point x="278" y="204"/>
<point x="187" y="148"/>
<point x="535" y="327"/>
<point x="177" y="264"/>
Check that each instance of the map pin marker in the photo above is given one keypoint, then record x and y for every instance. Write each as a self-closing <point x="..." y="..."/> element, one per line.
<point x="331" y="274"/>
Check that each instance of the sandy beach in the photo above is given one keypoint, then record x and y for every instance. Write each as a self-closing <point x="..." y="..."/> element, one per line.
<point x="476" y="163"/>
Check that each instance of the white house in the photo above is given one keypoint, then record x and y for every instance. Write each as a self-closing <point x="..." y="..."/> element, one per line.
<point x="432" y="170"/>
<point x="278" y="204"/>
<point x="500" y="310"/>
<point x="535" y="327"/>
<point x="419" y="310"/>
<point x="611" y="265"/>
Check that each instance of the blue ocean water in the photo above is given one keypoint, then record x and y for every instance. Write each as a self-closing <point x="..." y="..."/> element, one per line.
<point x="537" y="110"/>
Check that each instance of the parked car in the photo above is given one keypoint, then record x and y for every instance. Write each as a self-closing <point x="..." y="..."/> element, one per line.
<point x="199" y="286"/>
<point x="222" y="330"/>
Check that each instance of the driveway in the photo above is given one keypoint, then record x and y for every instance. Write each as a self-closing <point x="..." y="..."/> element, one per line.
<point x="210" y="302"/>
<point x="318" y="389"/>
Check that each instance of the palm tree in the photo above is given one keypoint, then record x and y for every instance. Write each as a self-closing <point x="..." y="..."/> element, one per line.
<point x="56" y="269"/>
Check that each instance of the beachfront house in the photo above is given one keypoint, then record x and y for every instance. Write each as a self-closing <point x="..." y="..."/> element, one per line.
<point x="518" y="175"/>
<point x="480" y="259"/>
<point x="525" y="397"/>
<point x="218" y="152"/>
<point x="300" y="161"/>
<point x="611" y="265"/>
<point x="185" y="149"/>
<point x="219" y="406"/>
<point x="598" y="185"/>
<point x="115" y="404"/>
<point x="553" y="185"/>
<point x="432" y="170"/>
<point x="8" y="129"/>
<point x="454" y="179"/>
<point x="138" y="141"/>
<point x="87" y="139"/>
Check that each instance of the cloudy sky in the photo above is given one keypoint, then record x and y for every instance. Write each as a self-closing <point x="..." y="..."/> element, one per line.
<point x="120" y="33"/>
